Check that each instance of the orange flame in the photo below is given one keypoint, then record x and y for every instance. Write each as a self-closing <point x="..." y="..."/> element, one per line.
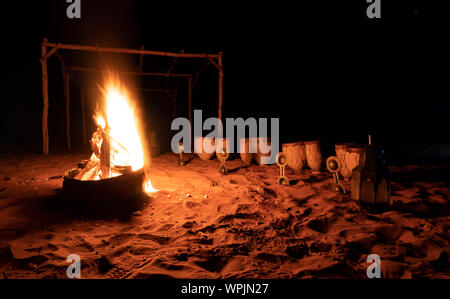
<point x="120" y="121"/>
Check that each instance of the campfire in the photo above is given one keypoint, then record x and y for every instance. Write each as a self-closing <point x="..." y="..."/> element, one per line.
<point x="117" y="146"/>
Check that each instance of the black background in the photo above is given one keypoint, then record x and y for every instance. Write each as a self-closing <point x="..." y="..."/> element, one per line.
<point x="322" y="67"/>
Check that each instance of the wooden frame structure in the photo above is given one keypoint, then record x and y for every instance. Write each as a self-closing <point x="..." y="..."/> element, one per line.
<point x="48" y="49"/>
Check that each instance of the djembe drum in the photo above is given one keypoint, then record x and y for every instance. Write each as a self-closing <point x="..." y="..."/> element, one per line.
<point x="313" y="155"/>
<point x="295" y="155"/>
<point x="245" y="151"/>
<point x="204" y="147"/>
<point x="340" y="155"/>
<point x="352" y="154"/>
<point x="264" y="149"/>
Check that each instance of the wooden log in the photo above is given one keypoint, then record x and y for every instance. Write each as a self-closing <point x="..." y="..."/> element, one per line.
<point x="105" y="154"/>
<point x="83" y="115"/>
<point x="45" y="137"/>
<point x="92" y="167"/>
<point x="220" y="85"/>
<point x="93" y="70"/>
<point x="190" y="103"/>
<point x="67" y="91"/>
<point x="129" y="51"/>
<point x="138" y="89"/>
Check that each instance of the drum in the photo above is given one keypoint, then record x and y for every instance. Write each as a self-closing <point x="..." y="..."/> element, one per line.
<point x="295" y="155"/>
<point x="340" y="155"/>
<point x="264" y="149"/>
<point x="313" y="155"/>
<point x="244" y="150"/>
<point x="204" y="147"/>
<point x="352" y="154"/>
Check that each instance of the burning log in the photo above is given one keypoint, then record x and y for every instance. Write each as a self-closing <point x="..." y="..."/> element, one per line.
<point x="105" y="155"/>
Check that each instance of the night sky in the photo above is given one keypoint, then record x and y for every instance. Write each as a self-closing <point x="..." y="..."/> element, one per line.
<point x="322" y="67"/>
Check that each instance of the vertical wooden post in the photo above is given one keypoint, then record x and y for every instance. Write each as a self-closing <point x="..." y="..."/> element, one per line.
<point x="220" y="85"/>
<point x="83" y="114"/>
<point x="190" y="102"/>
<point x="67" y="91"/>
<point x="45" y="138"/>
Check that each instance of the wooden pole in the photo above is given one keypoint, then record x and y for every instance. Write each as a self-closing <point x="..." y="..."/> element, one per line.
<point x="83" y="115"/>
<point x="190" y="102"/>
<point x="69" y="145"/>
<point x="45" y="138"/>
<point x="129" y="51"/>
<point x="190" y="99"/>
<point x="92" y="70"/>
<point x="220" y="85"/>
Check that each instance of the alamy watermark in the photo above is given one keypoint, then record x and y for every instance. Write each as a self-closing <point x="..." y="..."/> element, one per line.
<point x="259" y="139"/>
<point x="374" y="9"/>
<point x="73" y="11"/>
<point x="374" y="269"/>
<point x="74" y="269"/>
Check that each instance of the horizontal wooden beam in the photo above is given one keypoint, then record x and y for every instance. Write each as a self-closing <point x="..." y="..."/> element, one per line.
<point x="129" y="51"/>
<point x="92" y="70"/>
<point x="136" y="89"/>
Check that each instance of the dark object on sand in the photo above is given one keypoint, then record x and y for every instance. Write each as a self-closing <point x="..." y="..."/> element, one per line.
<point x="371" y="179"/>
<point x="124" y="191"/>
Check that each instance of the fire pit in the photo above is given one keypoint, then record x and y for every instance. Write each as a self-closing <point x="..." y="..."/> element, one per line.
<point x="125" y="191"/>
<point x="114" y="175"/>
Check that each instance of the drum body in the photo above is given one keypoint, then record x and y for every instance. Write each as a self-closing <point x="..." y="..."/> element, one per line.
<point x="295" y="155"/>
<point x="313" y="155"/>
<point x="204" y="147"/>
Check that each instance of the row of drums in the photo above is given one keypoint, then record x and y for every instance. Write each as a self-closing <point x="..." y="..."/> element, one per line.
<point x="299" y="154"/>
<point x="302" y="153"/>
<point x="207" y="147"/>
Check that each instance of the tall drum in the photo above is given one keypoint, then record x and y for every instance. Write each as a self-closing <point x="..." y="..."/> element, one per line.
<point x="313" y="155"/>
<point x="340" y="155"/>
<point x="352" y="155"/>
<point x="295" y="154"/>
<point x="204" y="147"/>
<point x="246" y="155"/>
<point x="264" y="148"/>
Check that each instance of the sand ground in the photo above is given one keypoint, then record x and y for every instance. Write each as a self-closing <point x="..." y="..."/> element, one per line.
<point x="206" y="225"/>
